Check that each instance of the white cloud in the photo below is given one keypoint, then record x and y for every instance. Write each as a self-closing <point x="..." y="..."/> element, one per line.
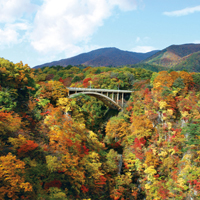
<point x="60" y="25"/>
<point x="9" y="35"/>
<point x="197" y="42"/>
<point x="125" y="5"/>
<point x="138" y="39"/>
<point x="143" y="49"/>
<point x="19" y="26"/>
<point x="56" y="26"/>
<point x="142" y="40"/>
<point x="12" y="10"/>
<point x="183" y="12"/>
<point x="15" y="20"/>
<point x="73" y="51"/>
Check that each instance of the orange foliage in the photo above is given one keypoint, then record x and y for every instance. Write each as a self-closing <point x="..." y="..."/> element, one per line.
<point x="151" y="160"/>
<point x="141" y="126"/>
<point x="86" y="82"/>
<point x="187" y="79"/>
<point x="11" y="181"/>
<point x="32" y="104"/>
<point x="53" y="90"/>
<point x="65" y="137"/>
<point x="86" y="69"/>
<point x="9" y="122"/>
<point x="101" y="181"/>
<point x="163" y="79"/>
<point x="117" y="128"/>
<point x="174" y="75"/>
<point x="28" y="146"/>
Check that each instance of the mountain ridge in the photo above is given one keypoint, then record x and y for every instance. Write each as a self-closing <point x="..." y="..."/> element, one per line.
<point x="173" y="55"/>
<point x="102" y="57"/>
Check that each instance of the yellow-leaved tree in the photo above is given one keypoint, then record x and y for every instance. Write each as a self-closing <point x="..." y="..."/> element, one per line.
<point x="12" y="182"/>
<point x="52" y="90"/>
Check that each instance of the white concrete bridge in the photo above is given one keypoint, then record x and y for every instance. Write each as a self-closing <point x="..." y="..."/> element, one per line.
<point x="114" y="99"/>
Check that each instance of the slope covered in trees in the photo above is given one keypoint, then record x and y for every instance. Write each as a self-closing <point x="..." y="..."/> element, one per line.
<point x="53" y="147"/>
<point x="102" y="57"/>
<point x="191" y="63"/>
<point x="175" y="56"/>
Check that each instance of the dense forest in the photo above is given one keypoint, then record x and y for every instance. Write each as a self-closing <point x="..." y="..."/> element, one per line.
<point x="56" y="148"/>
<point x="178" y="57"/>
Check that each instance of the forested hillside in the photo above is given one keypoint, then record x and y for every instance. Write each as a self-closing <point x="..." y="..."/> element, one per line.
<point x="191" y="63"/>
<point x="53" y="147"/>
<point x="178" y="57"/>
<point x="110" y="56"/>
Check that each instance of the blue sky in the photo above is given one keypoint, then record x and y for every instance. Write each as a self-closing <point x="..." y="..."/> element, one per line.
<point x="41" y="31"/>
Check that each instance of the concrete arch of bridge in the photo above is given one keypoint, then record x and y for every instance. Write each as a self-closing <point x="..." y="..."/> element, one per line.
<point x="105" y="99"/>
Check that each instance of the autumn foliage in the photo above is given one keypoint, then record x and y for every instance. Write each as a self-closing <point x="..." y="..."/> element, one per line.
<point x="54" y="147"/>
<point x="28" y="146"/>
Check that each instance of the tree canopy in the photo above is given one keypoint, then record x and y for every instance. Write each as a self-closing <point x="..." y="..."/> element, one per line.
<point x="54" y="147"/>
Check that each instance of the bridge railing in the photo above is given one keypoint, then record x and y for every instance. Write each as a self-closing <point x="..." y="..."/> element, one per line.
<point x="99" y="90"/>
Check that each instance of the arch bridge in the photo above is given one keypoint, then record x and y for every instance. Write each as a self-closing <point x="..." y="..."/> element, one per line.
<point x="114" y="99"/>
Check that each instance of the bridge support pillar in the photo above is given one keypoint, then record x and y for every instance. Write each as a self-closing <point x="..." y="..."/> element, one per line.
<point x="112" y="96"/>
<point x="122" y="100"/>
<point x="117" y="98"/>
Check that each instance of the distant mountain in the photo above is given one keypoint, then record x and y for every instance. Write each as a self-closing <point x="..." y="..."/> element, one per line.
<point x="102" y="57"/>
<point x="190" y="63"/>
<point x="173" y="55"/>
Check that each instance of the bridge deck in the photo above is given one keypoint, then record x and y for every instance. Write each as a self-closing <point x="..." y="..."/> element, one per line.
<point x="98" y="90"/>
